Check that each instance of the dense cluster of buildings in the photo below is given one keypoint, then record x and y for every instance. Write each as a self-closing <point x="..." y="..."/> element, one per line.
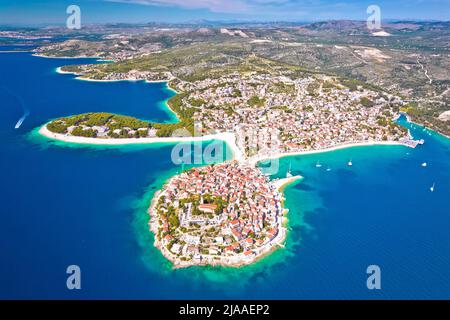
<point x="231" y="214"/>
<point x="135" y="75"/>
<point x="227" y="214"/>
<point x="275" y="114"/>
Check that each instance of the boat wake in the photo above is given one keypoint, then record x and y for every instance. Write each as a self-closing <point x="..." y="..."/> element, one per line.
<point x="26" y="112"/>
<point x="21" y="120"/>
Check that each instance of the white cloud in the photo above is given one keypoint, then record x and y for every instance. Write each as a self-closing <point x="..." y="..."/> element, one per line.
<point x="222" y="6"/>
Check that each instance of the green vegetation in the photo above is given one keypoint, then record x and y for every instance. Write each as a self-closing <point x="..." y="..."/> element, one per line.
<point x="237" y="93"/>
<point x="57" y="127"/>
<point x="354" y="84"/>
<point x="255" y="101"/>
<point x="280" y="87"/>
<point x="427" y="117"/>
<point x="382" y="122"/>
<point x="81" y="132"/>
<point x="328" y="85"/>
<point x="200" y="56"/>
<point x="196" y="102"/>
<point x="88" y="125"/>
<point x="219" y="202"/>
<point x="184" y="114"/>
<point x="366" y="102"/>
<point x="313" y="88"/>
<point x="73" y="69"/>
<point x="118" y="126"/>
<point x="196" y="61"/>
<point x="174" y="222"/>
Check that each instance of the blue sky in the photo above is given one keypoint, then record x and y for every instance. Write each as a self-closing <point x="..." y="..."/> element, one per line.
<point x="50" y="12"/>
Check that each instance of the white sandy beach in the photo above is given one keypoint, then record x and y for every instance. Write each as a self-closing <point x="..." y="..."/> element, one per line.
<point x="60" y="71"/>
<point x="14" y="51"/>
<point x="228" y="138"/>
<point x="76" y="57"/>
<point x="281" y="183"/>
<point x="97" y="80"/>
<point x="80" y="77"/>
<point x="255" y="160"/>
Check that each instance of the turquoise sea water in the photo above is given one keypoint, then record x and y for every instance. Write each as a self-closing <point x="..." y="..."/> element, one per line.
<point x="64" y="204"/>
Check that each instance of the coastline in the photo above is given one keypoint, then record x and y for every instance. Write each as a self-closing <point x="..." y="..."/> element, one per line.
<point x="275" y="244"/>
<point x="60" y="71"/>
<point x="230" y="139"/>
<point x="256" y="160"/>
<point x="227" y="137"/>
<point x="281" y="184"/>
<point x="408" y="118"/>
<point x="75" y="57"/>
<point x="78" y="76"/>
<point x="102" y="59"/>
<point x="14" y="51"/>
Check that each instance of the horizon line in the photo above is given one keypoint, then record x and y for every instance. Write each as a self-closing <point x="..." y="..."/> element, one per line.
<point x="218" y="22"/>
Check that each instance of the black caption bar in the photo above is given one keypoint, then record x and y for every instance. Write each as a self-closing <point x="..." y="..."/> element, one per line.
<point x="218" y="309"/>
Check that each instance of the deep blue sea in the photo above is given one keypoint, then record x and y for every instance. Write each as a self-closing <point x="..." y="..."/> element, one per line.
<point x="62" y="204"/>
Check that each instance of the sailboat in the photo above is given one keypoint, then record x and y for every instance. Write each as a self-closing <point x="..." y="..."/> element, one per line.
<point x="350" y="163"/>
<point x="318" y="165"/>
<point x="182" y="167"/>
<point x="432" y="187"/>
<point x="288" y="173"/>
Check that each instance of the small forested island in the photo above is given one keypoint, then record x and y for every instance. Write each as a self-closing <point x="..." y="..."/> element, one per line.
<point x="229" y="214"/>
<point x="108" y="125"/>
<point x="111" y="126"/>
<point x="102" y="125"/>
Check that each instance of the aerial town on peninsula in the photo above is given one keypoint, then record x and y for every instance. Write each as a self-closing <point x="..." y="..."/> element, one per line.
<point x="268" y="114"/>
<point x="231" y="214"/>
<point x="279" y="114"/>
<point x="237" y="152"/>
<point x="225" y="214"/>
